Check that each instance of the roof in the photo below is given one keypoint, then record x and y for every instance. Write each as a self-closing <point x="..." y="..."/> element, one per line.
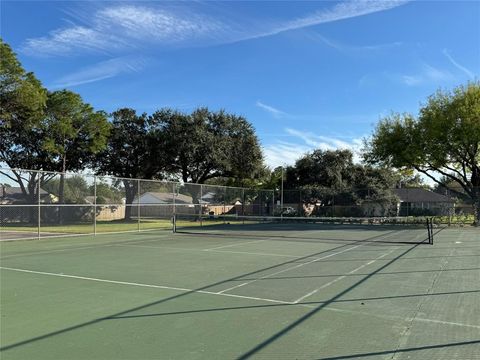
<point x="418" y="195"/>
<point x="8" y="191"/>
<point x="90" y="199"/>
<point x="168" y="197"/>
<point x="14" y="195"/>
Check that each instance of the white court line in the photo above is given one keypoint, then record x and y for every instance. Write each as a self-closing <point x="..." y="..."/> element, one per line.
<point x="214" y="251"/>
<point x="233" y="296"/>
<point x="154" y="237"/>
<point x="342" y="276"/>
<point x="295" y="267"/>
<point x="231" y="288"/>
<point x="393" y="317"/>
<point x="54" y="251"/>
<point x="238" y="244"/>
<point x="258" y="253"/>
<point x="445" y="322"/>
<point x="143" y="285"/>
<point x="307" y="263"/>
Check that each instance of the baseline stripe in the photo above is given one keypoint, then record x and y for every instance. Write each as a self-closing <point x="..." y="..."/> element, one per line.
<point x="144" y="285"/>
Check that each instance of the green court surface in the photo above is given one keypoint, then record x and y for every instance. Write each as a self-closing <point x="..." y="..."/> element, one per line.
<point x="285" y="295"/>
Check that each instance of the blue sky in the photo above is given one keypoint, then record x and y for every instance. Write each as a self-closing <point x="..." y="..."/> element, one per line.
<point x="306" y="74"/>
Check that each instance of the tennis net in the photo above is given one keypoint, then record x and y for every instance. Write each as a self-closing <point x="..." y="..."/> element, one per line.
<point x="375" y="230"/>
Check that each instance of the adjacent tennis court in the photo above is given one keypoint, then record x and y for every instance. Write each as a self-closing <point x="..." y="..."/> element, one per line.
<point x="265" y="290"/>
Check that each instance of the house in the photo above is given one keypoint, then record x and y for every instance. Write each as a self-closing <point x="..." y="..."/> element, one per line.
<point x="419" y="201"/>
<point x="10" y="195"/>
<point x="152" y="198"/>
<point x="162" y="205"/>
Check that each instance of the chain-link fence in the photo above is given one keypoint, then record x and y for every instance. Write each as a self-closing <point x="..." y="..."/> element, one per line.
<point x="44" y="204"/>
<point x="449" y="205"/>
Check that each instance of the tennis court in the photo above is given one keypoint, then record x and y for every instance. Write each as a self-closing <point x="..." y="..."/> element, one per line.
<point x="263" y="291"/>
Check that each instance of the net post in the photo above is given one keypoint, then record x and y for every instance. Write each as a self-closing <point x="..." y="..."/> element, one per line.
<point x="39" y="206"/>
<point x="94" y="205"/>
<point x="431" y="231"/>
<point x="138" y="205"/>
<point x="174" y="223"/>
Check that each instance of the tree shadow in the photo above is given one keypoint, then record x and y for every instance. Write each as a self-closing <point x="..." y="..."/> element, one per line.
<point x="95" y="321"/>
<point x="309" y="314"/>
<point x="268" y="306"/>
<point x="404" y="350"/>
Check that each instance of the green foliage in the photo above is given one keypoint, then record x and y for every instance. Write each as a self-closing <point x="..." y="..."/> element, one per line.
<point x="134" y="147"/>
<point x="76" y="189"/>
<point x="22" y="96"/>
<point x="206" y="145"/>
<point x="23" y="101"/>
<point x="445" y="140"/>
<point x="73" y="131"/>
<point x="331" y="179"/>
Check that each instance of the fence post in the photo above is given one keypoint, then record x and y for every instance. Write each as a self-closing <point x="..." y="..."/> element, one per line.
<point x="272" y="212"/>
<point x="333" y="206"/>
<point x="201" y="206"/>
<point x="243" y="205"/>
<point x="174" y="187"/>
<point x="94" y="205"/>
<point x="39" y="207"/>
<point x="224" y="197"/>
<point x="281" y="197"/>
<point x="138" y="204"/>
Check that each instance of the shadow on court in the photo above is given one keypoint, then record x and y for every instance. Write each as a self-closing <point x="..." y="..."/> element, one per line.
<point x="95" y="321"/>
<point x="319" y="305"/>
<point x="407" y="350"/>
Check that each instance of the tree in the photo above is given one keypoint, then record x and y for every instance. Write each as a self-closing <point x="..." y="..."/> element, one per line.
<point x="332" y="182"/>
<point x="134" y="150"/>
<point x="43" y="131"/>
<point x="22" y="105"/>
<point x="206" y="145"/>
<point x="22" y="96"/>
<point x="444" y="139"/>
<point x="73" y="133"/>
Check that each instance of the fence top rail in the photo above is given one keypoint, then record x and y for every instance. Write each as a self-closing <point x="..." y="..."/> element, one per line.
<point x="125" y="178"/>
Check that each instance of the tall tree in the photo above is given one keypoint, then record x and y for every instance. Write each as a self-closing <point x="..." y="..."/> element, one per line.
<point x="206" y="145"/>
<point x="134" y="150"/>
<point x="73" y="133"/>
<point x="22" y="105"/>
<point x="332" y="181"/>
<point x="444" y="139"/>
<point x="22" y="96"/>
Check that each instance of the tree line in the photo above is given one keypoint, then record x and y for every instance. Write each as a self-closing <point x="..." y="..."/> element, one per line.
<point x="58" y="131"/>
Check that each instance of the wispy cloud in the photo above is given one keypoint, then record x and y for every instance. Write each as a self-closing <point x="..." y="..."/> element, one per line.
<point x="287" y="152"/>
<point x="283" y="153"/>
<point x="121" y="27"/>
<point x="426" y="75"/>
<point x="350" y="48"/>
<point x="341" y="11"/>
<point x="116" y="27"/>
<point x="66" y="41"/>
<point x="462" y="68"/>
<point x="103" y="70"/>
<point x="411" y="80"/>
<point x="276" y="113"/>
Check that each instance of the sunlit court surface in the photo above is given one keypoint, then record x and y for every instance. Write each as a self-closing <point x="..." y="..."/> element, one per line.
<point x="269" y="291"/>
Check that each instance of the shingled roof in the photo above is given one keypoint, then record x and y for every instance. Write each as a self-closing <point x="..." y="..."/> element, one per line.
<point x="418" y="195"/>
